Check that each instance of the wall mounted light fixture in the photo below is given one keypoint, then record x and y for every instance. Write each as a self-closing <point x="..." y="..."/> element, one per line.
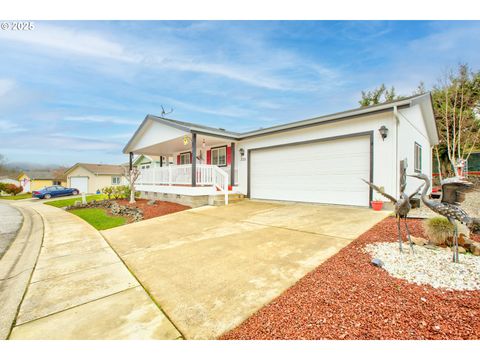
<point x="383" y="132"/>
<point x="242" y="151"/>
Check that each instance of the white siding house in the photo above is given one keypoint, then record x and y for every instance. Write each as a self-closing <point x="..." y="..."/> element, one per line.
<point x="320" y="160"/>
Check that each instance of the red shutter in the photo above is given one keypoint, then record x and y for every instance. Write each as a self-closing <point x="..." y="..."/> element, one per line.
<point x="191" y="158"/>
<point x="209" y="156"/>
<point x="178" y="159"/>
<point x="229" y="155"/>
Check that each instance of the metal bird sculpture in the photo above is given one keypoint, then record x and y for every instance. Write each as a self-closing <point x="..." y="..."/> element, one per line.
<point x="453" y="193"/>
<point x="402" y="208"/>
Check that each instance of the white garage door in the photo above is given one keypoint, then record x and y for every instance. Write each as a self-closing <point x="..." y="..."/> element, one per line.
<point x="323" y="172"/>
<point x="80" y="183"/>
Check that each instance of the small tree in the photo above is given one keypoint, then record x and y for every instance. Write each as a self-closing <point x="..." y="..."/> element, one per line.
<point x="131" y="176"/>
<point x="456" y="102"/>
<point x="378" y="95"/>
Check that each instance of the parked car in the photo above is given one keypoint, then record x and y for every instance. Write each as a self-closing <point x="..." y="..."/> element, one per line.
<point x="52" y="191"/>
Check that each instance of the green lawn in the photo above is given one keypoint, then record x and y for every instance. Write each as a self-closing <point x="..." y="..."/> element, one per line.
<point x="71" y="201"/>
<point x="98" y="218"/>
<point x="16" y="197"/>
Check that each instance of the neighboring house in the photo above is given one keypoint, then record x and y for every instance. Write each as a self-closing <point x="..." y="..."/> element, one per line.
<point x="9" y="180"/>
<point x="38" y="179"/>
<point x="88" y="178"/>
<point x="319" y="160"/>
<point x="146" y="162"/>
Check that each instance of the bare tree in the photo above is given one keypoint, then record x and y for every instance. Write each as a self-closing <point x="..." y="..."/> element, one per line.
<point x="131" y="176"/>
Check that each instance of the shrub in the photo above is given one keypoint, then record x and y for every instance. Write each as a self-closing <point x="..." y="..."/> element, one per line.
<point x="108" y="190"/>
<point x="117" y="192"/>
<point x="13" y="189"/>
<point x="438" y="229"/>
<point x="125" y="191"/>
<point x="2" y="187"/>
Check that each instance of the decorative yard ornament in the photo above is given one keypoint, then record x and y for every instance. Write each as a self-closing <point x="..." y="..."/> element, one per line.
<point x="453" y="193"/>
<point x="402" y="208"/>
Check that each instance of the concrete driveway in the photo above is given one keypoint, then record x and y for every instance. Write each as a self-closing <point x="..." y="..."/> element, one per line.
<point x="210" y="268"/>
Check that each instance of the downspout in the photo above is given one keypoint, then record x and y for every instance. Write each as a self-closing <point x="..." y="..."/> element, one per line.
<point x="397" y="185"/>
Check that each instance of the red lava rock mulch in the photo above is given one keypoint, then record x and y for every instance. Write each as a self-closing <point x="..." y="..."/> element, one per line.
<point x="348" y="298"/>
<point x="158" y="209"/>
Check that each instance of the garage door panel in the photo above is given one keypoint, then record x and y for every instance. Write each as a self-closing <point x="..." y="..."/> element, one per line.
<point x="80" y="183"/>
<point x="323" y="172"/>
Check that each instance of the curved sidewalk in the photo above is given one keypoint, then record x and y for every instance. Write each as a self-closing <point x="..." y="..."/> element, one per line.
<point x="18" y="262"/>
<point x="80" y="289"/>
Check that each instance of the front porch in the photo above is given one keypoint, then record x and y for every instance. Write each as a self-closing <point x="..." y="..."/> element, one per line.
<point x="190" y="163"/>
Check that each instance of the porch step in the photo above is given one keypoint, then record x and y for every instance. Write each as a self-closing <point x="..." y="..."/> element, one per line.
<point x="219" y="200"/>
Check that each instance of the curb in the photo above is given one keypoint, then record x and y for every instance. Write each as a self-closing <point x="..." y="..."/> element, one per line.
<point x="16" y="267"/>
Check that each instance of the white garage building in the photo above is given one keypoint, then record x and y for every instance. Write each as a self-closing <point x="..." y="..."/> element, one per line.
<point x="319" y="160"/>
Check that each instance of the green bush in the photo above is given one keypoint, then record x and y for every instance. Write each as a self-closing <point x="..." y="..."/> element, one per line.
<point x="108" y="190"/>
<point x="438" y="229"/>
<point x="117" y="192"/>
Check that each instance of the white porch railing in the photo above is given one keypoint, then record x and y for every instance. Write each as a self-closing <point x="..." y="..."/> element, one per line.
<point x="206" y="175"/>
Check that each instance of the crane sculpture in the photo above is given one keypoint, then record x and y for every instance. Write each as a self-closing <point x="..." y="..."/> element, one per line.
<point x="453" y="193"/>
<point x="402" y="208"/>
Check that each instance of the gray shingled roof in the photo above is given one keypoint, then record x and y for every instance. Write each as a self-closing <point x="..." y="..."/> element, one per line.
<point x="192" y="127"/>
<point x="100" y="169"/>
<point x="40" y="174"/>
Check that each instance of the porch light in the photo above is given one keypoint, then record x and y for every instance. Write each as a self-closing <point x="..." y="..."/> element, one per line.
<point x="242" y="151"/>
<point x="383" y="132"/>
<point x="203" y="144"/>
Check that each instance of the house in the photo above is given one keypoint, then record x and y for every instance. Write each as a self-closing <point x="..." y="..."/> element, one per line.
<point x="8" y="180"/>
<point x="146" y="162"/>
<point x="88" y="178"/>
<point x="32" y="180"/>
<point x="318" y="160"/>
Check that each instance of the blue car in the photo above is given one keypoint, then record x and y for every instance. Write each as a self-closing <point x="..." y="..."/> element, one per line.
<point x="55" y="190"/>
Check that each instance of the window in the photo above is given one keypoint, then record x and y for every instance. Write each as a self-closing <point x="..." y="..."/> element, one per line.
<point x="418" y="158"/>
<point x="185" y="158"/>
<point x="219" y="156"/>
<point x="55" y="182"/>
<point x="115" y="180"/>
<point x="146" y="166"/>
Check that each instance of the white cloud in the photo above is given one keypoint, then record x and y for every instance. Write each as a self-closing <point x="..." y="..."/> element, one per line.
<point x="260" y="65"/>
<point x="70" y="40"/>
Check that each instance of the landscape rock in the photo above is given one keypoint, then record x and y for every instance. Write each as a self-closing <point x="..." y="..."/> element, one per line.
<point x="377" y="263"/>
<point x="475" y="249"/>
<point x="132" y="212"/>
<point x="419" y="241"/>
<point x="461" y="250"/>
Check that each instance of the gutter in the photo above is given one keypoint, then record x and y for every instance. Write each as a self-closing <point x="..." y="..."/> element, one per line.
<point x="395" y="117"/>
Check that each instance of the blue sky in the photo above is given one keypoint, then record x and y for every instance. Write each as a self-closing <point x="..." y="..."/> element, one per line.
<point x="76" y="91"/>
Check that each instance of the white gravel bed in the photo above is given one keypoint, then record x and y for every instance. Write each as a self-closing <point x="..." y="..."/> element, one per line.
<point x="427" y="266"/>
